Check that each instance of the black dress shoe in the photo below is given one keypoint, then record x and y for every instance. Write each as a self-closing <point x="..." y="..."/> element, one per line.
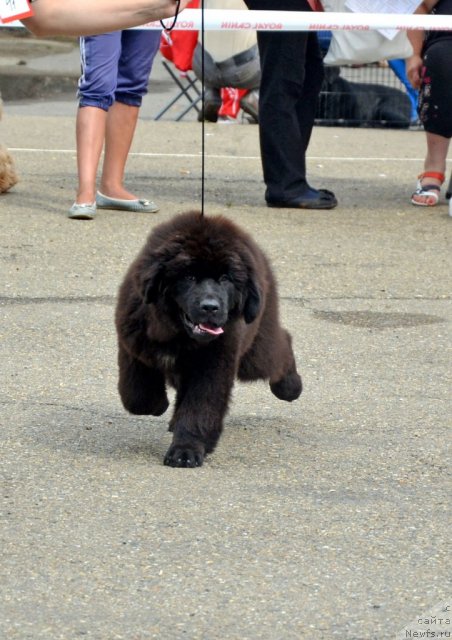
<point x="210" y="112"/>
<point x="318" y="199"/>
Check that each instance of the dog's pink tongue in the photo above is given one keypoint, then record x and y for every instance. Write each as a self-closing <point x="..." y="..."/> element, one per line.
<point x="215" y="331"/>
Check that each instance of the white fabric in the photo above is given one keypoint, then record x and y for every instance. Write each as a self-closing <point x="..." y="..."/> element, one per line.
<point x="361" y="47"/>
<point x="225" y="44"/>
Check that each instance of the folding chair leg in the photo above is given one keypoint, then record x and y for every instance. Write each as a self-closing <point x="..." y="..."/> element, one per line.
<point x="187" y="87"/>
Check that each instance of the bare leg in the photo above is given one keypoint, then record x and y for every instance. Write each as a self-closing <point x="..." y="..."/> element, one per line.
<point x="121" y="123"/>
<point x="435" y="160"/>
<point x="437" y="149"/>
<point x="90" y="135"/>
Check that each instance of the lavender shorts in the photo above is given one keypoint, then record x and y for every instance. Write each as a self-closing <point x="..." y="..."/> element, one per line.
<point x="116" y="67"/>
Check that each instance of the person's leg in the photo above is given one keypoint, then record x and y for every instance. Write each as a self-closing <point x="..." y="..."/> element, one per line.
<point x="120" y="128"/>
<point x="434" y="168"/>
<point x="244" y="74"/>
<point x="241" y="74"/>
<point x="212" y="83"/>
<point x="437" y="149"/>
<point x="99" y="55"/>
<point x="292" y="74"/>
<point x="282" y="60"/>
<point x="134" y="67"/>
<point x="435" y="98"/>
<point x="90" y="135"/>
<point x="284" y="124"/>
<point x="307" y="104"/>
<point x="282" y="77"/>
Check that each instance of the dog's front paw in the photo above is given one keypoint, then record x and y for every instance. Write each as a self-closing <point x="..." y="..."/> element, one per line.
<point x="288" y="388"/>
<point x="184" y="455"/>
<point x="145" y="405"/>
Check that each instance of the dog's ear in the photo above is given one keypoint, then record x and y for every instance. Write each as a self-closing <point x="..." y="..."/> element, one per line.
<point x="253" y="301"/>
<point x="149" y="282"/>
<point x="251" y="295"/>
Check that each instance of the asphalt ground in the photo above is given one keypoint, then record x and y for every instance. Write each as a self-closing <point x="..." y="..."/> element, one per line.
<point x="324" y="518"/>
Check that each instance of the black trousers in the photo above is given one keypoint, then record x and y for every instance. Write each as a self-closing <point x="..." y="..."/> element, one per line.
<point x="291" y="79"/>
<point x="435" y="95"/>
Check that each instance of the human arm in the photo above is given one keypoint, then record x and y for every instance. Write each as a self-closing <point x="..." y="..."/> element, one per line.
<point x="85" y="17"/>
<point x="416" y="38"/>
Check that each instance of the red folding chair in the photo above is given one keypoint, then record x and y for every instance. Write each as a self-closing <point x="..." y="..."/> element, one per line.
<point x="177" y="49"/>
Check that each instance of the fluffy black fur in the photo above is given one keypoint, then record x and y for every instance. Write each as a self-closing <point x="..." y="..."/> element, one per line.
<point x="198" y="308"/>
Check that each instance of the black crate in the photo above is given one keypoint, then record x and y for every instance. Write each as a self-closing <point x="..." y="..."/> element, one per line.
<point x="368" y="95"/>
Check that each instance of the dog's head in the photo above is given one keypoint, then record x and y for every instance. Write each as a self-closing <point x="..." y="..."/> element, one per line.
<point x="200" y="273"/>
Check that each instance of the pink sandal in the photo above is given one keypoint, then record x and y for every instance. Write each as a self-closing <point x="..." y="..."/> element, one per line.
<point x="429" y="191"/>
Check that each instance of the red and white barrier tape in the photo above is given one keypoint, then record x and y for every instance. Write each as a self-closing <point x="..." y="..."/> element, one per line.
<point x="224" y="20"/>
<point x="244" y="20"/>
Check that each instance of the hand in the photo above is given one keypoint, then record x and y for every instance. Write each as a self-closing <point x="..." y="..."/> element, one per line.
<point x="413" y="70"/>
<point x="171" y="6"/>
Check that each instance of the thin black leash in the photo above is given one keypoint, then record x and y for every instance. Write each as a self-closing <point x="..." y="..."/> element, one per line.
<point x="203" y="137"/>
<point x="176" y="15"/>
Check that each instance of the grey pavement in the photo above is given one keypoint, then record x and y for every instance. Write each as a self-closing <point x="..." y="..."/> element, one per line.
<point x="325" y="518"/>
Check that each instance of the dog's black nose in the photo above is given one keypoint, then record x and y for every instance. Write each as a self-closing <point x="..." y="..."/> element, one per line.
<point x="210" y="305"/>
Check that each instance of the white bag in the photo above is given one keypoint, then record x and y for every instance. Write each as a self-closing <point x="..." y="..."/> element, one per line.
<point x="362" y="47"/>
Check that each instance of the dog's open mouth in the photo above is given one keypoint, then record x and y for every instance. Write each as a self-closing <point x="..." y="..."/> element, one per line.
<point x="206" y="328"/>
<point x="203" y="328"/>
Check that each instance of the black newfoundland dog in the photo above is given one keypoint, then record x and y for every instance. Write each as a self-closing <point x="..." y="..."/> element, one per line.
<point x="197" y="308"/>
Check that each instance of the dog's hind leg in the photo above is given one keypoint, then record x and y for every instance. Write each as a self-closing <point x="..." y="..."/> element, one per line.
<point x="142" y="389"/>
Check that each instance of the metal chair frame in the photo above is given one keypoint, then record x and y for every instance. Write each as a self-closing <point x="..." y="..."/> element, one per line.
<point x="189" y="88"/>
